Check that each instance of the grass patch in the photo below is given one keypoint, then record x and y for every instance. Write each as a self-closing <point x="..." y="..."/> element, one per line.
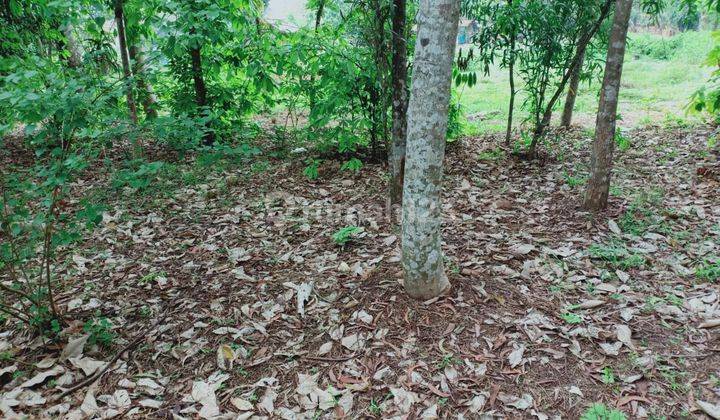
<point x="617" y="255"/>
<point x="601" y="412"/>
<point x="688" y="46"/>
<point x="708" y="271"/>
<point x="491" y="155"/>
<point x="659" y="76"/>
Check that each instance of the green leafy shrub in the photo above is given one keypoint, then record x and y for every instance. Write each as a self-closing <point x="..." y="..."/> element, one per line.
<point x="352" y="165"/>
<point x="622" y="141"/>
<point x="617" y="255"/>
<point x="139" y="176"/>
<point x="708" y="271"/>
<point x="492" y="154"/>
<point x="573" y="181"/>
<point x="344" y="235"/>
<point x="599" y="411"/>
<point x="456" y="118"/>
<point x="312" y="170"/>
<point x="37" y="226"/>
<point x="571" y="318"/>
<point x="689" y="46"/>
<point x="707" y="98"/>
<point x="608" y="376"/>
<point x="100" y="332"/>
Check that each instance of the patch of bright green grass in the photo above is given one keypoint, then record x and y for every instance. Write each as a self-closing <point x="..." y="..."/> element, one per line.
<point x="652" y="87"/>
<point x="708" y="271"/>
<point x="617" y="255"/>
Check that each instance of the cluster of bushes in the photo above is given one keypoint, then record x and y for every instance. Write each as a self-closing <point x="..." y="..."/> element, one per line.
<point x="690" y="47"/>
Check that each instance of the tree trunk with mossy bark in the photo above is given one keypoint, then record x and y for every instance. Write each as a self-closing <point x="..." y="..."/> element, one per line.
<point x="598" y="186"/>
<point x="147" y="96"/>
<point x="422" y="256"/>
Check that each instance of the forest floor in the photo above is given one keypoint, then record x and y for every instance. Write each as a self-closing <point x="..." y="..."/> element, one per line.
<point x="229" y="297"/>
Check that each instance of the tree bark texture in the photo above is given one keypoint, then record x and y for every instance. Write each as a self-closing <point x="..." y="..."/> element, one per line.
<point x="567" y="114"/>
<point x="147" y="95"/>
<point x="200" y="88"/>
<point x="422" y="256"/>
<point x="598" y="186"/>
<point x="399" y="102"/>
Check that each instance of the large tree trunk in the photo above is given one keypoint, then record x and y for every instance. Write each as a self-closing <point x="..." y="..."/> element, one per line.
<point x="598" y="186"/>
<point x="122" y="43"/>
<point x="200" y="88"/>
<point x="399" y="102"/>
<point x="147" y="96"/>
<point x="422" y="257"/>
<point x="567" y="114"/>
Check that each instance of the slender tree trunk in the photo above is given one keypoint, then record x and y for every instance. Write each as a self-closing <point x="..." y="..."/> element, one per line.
<point x="319" y="14"/>
<point x="581" y="48"/>
<point x="200" y="88"/>
<point x="8" y="14"/>
<point x="513" y="92"/>
<point x="399" y="102"/>
<point x="147" y="96"/>
<point x="567" y="114"/>
<point x="598" y="186"/>
<point x="122" y="44"/>
<point x="380" y="104"/>
<point x="318" y="20"/>
<point x="422" y="257"/>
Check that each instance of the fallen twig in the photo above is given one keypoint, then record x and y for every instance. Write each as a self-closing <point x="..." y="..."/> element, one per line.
<point x="329" y="359"/>
<point x="91" y="379"/>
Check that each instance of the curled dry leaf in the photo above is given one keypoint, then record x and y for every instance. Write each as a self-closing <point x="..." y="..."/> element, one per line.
<point x="88" y="365"/>
<point x="267" y="402"/>
<point x="42" y="377"/>
<point x="522" y="249"/>
<point x="624" y="335"/>
<point x="74" y="348"/>
<point x="403" y="399"/>
<point x="710" y="323"/>
<point x="611" y="349"/>
<point x="712" y="410"/>
<point x="516" y="356"/>
<point x="204" y="394"/>
<point x="590" y="304"/>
